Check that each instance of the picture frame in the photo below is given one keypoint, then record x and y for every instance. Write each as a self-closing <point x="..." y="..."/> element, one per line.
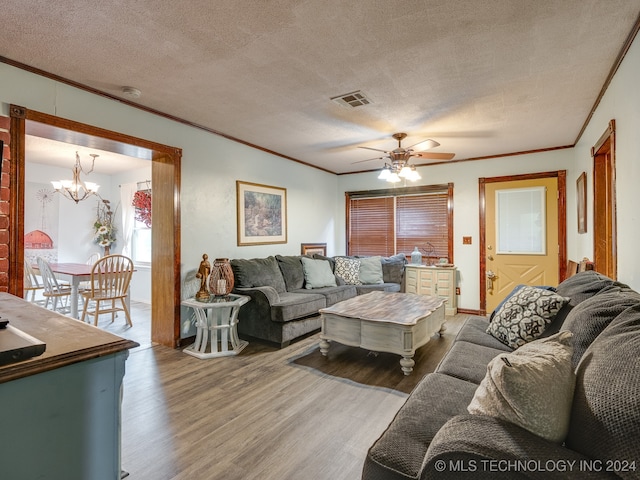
<point x="313" y="248"/>
<point x="581" y="192"/>
<point x="261" y="214"/>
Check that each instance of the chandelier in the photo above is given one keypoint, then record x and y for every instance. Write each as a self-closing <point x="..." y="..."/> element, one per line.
<point x="76" y="189"/>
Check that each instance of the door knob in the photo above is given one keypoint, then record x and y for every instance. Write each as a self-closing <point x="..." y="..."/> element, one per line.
<point x="490" y="277"/>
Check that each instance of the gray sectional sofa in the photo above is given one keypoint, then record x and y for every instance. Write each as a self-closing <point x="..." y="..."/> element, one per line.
<point x="434" y="436"/>
<point x="283" y="307"/>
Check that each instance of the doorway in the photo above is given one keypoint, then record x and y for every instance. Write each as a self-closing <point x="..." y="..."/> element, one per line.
<point x="604" y="204"/>
<point x="165" y="271"/>
<point x="522" y="233"/>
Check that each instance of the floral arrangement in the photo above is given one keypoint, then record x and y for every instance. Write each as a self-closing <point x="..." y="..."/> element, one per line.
<point x="105" y="230"/>
<point x="142" y="204"/>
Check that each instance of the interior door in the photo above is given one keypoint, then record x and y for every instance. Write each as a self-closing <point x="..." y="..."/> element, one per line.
<point x="521" y="236"/>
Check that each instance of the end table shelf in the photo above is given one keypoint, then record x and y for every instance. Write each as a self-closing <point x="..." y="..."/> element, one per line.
<point x="216" y="323"/>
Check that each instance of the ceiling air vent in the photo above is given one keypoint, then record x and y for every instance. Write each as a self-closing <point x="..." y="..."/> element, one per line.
<point x="352" y="99"/>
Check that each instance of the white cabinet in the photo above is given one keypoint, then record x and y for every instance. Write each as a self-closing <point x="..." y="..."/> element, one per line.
<point x="435" y="282"/>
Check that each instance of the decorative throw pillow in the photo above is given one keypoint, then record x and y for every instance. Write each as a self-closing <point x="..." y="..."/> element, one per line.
<point x="531" y="387"/>
<point x="317" y="273"/>
<point x="393" y="268"/>
<point x="371" y="270"/>
<point x="516" y="289"/>
<point x="525" y="315"/>
<point x="348" y="269"/>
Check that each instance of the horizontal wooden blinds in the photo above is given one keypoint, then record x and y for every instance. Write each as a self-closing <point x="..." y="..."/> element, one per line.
<point x="422" y="221"/>
<point x="385" y="222"/>
<point x="371" y="226"/>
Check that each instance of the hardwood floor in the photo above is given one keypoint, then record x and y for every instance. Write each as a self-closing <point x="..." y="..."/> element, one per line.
<point x="140" y="318"/>
<point x="264" y="414"/>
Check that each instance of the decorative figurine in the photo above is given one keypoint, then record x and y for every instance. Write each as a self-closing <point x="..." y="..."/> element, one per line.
<point x="203" y="274"/>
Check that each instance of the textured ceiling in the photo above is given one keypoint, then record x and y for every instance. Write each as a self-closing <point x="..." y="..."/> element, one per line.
<point x="483" y="78"/>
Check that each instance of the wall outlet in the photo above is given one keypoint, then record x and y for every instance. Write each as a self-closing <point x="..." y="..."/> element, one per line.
<point x="466" y="240"/>
<point x="457" y="290"/>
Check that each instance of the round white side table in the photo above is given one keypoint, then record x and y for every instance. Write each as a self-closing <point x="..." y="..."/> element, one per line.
<point x="216" y="323"/>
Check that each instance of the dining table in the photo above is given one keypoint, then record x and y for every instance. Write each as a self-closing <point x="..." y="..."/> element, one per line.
<point x="75" y="273"/>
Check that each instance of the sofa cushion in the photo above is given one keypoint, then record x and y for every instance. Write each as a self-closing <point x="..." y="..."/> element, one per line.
<point x="400" y="450"/>
<point x="525" y="315"/>
<point x="258" y="272"/>
<point x="467" y="361"/>
<point x="348" y="269"/>
<point x="370" y="270"/>
<point x="332" y="295"/>
<point x="293" y="306"/>
<point x="583" y="285"/>
<point x="378" y="287"/>
<point x="393" y="268"/>
<point x="292" y="272"/>
<point x="605" y="416"/>
<point x="317" y="273"/>
<point x="331" y="260"/>
<point x="590" y="317"/>
<point x="531" y="387"/>
<point x="474" y="330"/>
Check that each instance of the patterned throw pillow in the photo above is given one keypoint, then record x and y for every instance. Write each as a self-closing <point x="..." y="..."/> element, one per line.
<point x="348" y="269"/>
<point x="525" y="315"/>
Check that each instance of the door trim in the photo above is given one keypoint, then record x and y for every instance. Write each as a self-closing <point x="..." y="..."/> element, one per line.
<point x="561" y="175"/>
<point x="604" y="222"/>
<point x="165" y="265"/>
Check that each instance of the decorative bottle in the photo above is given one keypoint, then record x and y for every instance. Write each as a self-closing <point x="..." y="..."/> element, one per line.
<point x="416" y="257"/>
<point x="221" y="278"/>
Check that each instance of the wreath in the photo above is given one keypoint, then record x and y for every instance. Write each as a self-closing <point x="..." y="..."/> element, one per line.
<point x="142" y="204"/>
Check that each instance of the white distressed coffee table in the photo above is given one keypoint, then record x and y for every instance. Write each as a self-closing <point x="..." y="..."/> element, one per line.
<point x="397" y="323"/>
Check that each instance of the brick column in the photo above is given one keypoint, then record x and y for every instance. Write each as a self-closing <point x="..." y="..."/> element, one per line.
<point x="4" y="204"/>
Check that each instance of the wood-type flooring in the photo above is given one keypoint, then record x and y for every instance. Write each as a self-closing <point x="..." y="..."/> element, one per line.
<point x="264" y="414"/>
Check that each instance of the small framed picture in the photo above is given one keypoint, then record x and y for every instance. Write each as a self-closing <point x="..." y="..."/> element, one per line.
<point x="311" y="248"/>
<point x="262" y="214"/>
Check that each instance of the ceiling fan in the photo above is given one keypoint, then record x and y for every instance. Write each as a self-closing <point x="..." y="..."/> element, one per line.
<point x="398" y="166"/>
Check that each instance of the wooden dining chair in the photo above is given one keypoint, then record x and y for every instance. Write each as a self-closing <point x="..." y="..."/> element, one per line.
<point x="91" y="260"/>
<point x="53" y="291"/>
<point x="110" y="278"/>
<point x="31" y="284"/>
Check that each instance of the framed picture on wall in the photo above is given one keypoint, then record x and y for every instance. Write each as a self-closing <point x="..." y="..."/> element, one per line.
<point x="581" y="191"/>
<point x="311" y="248"/>
<point x="262" y="214"/>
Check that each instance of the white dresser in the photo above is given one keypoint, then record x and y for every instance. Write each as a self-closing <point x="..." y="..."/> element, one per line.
<point x="435" y="282"/>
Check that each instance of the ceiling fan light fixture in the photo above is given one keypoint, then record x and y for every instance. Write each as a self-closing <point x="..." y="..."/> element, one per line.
<point x="385" y="173"/>
<point x="393" y="178"/>
<point x="404" y="171"/>
<point x="413" y="174"/>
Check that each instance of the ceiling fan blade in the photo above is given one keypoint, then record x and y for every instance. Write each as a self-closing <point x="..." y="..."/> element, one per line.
<point x="368" y="160"/>
<point x="375" y="149"/>
<point x="425" y="144"/>
<point x="434" y="155"/>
